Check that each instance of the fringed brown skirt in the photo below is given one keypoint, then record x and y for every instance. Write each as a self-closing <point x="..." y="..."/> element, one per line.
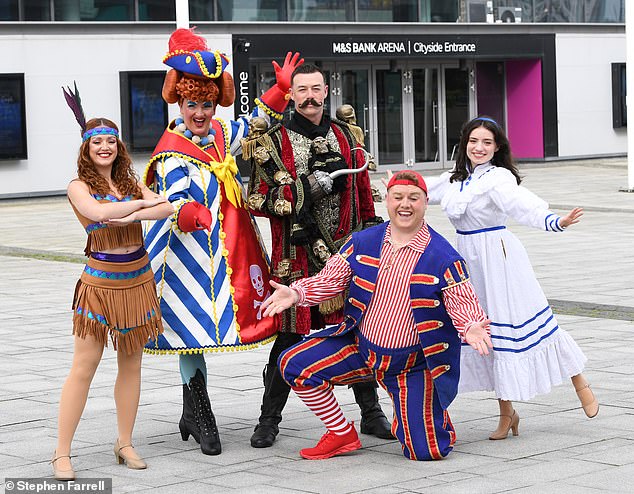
<point x="117" y="300"/>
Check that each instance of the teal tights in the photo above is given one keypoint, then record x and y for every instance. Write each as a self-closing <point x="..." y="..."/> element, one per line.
<point x="189" y="364"/>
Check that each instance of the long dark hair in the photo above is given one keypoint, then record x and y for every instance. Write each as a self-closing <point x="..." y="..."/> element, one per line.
<point x="123" y="175"/>
<point x="502" y="157"/>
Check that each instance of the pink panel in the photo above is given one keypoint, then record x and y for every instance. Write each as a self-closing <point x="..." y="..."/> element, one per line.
<point x="525" y="125"/>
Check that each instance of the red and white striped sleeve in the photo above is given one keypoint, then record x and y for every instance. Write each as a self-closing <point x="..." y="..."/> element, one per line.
<point x="463" y="307"/>
<point x="328" y="283"/>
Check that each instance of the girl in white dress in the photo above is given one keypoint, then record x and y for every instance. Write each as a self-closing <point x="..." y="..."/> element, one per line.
<point x="531" y="352"/>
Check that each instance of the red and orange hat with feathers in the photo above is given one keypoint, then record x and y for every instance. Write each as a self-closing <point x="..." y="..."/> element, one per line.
<point x="196" y="72"/>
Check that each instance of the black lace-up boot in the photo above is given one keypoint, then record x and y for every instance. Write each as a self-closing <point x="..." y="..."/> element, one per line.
<point x="187" y="423"/>
<point x="206" y="422"/>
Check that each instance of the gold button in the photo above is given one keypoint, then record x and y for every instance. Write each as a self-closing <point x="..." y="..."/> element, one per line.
<point x="188" y="59"/>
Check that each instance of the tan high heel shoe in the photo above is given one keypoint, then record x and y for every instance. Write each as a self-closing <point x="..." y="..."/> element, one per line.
<point x="503" y="430"/>
<point x="132" y="463"/>
<point x="60" y="474"/>
<point x="589" y="402"/>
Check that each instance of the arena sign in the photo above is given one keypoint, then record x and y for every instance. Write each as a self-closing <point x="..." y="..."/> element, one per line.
<point x="408" y="47"/>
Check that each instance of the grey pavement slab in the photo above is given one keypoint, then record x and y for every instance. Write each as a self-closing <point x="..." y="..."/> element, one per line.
<point x="586" y="271"/>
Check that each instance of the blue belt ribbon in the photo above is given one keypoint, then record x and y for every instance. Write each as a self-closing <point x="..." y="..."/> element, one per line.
<point x="481" y="230"/>
<point x="132" y="256"/>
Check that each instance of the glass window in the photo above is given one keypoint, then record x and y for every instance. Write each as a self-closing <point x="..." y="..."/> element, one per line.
<point x="143" y="111"/>
<point x="201" y="10"/>
<point x="619" y="92"/>
<point x="251" y="10"/>
<point x="94" y="10"/>
<point x="36" y="10"/>
<point x="579" y="10"/>
<point x="388" y="11"/>
<point x="440" y="10"/>
<point x="12" y="117"/>
<point x="9" y="10"/>
<point x="157" y="10"/>
<point x="321" y="10"/>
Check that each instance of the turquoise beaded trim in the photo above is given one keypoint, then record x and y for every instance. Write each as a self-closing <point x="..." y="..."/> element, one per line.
<point x="95" y="226"/>
<point x="111" y="198"/>
<point x="102" y="320"/>
<point x="100" y="131"/>
<point x="98" y="273"/>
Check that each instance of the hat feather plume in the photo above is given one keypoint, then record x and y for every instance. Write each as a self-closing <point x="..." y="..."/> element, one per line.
<point x="188" y="40"/>
<point x="74" y="102"/>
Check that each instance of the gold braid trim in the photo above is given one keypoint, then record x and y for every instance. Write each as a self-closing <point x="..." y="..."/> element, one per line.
<point x="331" y="305"/>
<point x="267" y="110"/>
<point x="215" y="349"/>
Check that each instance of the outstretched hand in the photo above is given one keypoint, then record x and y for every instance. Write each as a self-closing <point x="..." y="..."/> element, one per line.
<point x="283" y="298"/>
<point x="283" y="74"/>
<point x="571" y="218"/>
<point x="387" y="180"/>
<point x="478" y="338"/>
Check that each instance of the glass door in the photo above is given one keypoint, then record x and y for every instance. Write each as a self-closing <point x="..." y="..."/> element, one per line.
<point x="389" y="116"/>
<point x="350" y="85"/>
<point x="422" y="84"/>
<point x="456" y="108"/>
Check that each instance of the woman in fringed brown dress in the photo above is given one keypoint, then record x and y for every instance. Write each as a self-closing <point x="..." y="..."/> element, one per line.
<point x="115" y="298"/>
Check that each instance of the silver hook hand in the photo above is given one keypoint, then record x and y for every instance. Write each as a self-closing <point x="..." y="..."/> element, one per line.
<point x="346" y="171"/>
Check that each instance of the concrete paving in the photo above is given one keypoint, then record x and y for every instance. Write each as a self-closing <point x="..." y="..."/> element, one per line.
<point x="586" y="272"/>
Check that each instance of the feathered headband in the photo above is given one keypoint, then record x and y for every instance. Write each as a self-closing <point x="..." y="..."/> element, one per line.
<point x="74" y="102"/>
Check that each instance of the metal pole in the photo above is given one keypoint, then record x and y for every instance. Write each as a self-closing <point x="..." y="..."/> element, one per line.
<point x="629" y="91"/>
<point x="182" y="14"/>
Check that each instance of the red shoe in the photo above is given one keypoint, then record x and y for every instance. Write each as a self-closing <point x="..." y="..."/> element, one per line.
<point x="331" y="445"/>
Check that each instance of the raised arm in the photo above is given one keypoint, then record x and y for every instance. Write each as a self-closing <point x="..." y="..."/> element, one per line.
<point x="527" y="208"/>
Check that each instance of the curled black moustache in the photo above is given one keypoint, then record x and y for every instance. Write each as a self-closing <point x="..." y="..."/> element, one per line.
<point x="309" y="101"/>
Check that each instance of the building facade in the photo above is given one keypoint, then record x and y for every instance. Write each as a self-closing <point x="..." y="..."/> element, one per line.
<point x="552" y="73"/>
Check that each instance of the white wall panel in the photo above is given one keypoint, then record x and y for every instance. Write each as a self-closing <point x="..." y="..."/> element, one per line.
<point x="584" y="94"/>
<point x="49" y="62"/>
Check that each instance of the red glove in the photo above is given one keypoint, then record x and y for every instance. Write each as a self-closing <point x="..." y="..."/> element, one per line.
<point x="283" y="74"/>
<point x="194" y="216"/>
<point x="275" y="100"/>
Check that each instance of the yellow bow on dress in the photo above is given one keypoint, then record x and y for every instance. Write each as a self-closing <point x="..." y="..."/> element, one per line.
<point x="225" y="172"/>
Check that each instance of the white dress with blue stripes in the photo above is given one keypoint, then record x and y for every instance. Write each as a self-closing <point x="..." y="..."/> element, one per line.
<point x="531" y="352"/>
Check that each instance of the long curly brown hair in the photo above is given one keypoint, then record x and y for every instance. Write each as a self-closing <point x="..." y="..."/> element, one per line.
<point x="123" y="174"/>
<point x="502" y="157"/>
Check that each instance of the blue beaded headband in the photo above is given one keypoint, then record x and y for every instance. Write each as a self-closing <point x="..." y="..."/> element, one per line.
<point x="100" y="131"/>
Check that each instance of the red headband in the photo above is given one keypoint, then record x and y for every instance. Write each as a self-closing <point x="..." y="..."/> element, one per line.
<point x="397" y="179"/>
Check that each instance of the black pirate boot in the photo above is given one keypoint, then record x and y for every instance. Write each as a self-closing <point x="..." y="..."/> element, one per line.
<point x="276" y="392"/>
<point x="373" y="420"/>
<point x="204" y="417"/>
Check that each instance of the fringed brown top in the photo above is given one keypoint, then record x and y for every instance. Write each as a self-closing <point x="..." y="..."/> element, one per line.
<point x="102" y="237"/>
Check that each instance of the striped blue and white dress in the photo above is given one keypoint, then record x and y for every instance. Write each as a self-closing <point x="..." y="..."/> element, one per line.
<point x="210" y="283"/>
<point x="531" y="352"/>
